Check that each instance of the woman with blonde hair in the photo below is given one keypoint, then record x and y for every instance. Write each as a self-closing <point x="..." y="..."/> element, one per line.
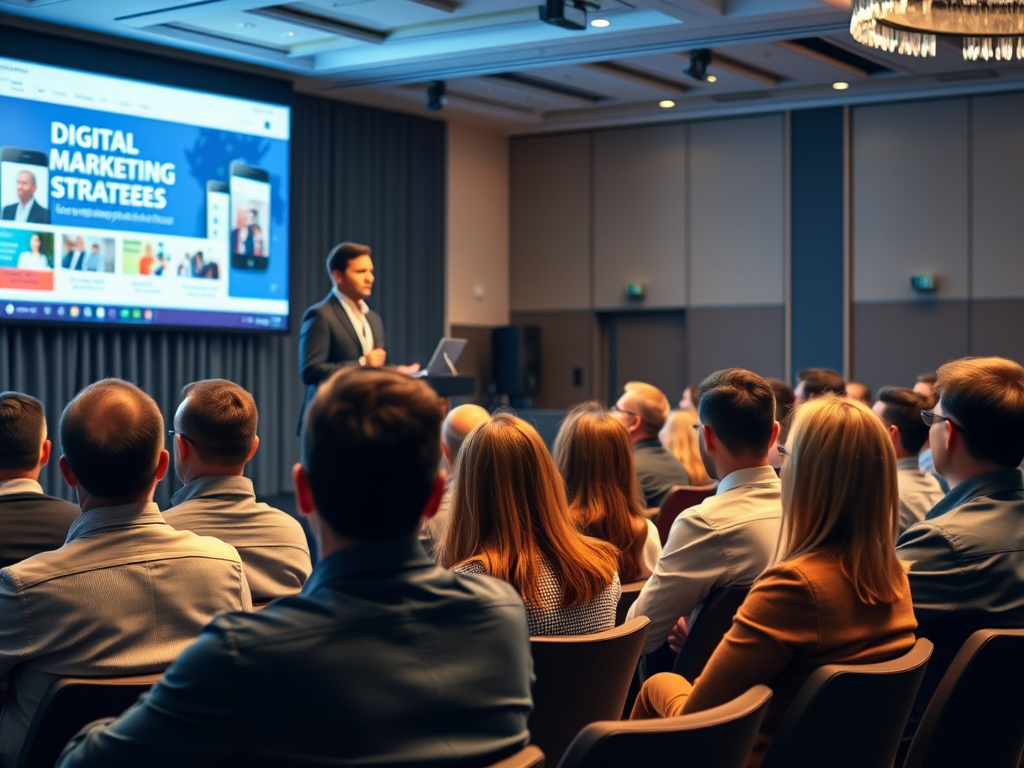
<point x="510" y="519"/>
<point x="837" y="593"/>
<point x="680" y="439"/>
<point x="593" y="455"/>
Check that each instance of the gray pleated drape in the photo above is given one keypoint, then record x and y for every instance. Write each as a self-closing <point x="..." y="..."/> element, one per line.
<point x="357" y="174"/>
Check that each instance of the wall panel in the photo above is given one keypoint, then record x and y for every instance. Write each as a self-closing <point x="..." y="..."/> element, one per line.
<point x="741" y="337"/>
<point x="566" y="340"/>
<point x="650" y="347"/>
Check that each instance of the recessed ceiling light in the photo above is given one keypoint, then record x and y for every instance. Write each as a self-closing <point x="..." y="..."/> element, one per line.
<point x="666" y="103"/>
<point x="289" y="33"/>
<point x="840" y="86"/>
<point x="712" y="79"/>
<point x="244" y="24"/>
<point x="600" y="23"/>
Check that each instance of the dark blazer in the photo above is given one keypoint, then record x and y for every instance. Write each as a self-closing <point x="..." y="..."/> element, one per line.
<point x="328" y="341"/>
<point x="248" y="244"/>
<point x="31" y="523"/>
<point x="69" y="257"/>
<point x="36" y="214"/>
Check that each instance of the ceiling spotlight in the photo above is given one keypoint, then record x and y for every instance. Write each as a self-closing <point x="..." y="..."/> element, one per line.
<point x="601" y="23"/>
<point x="435" y="95"/>
<point x="244" y="24"/>
<point x="567" y="14"/>
<point x="289" y="33"/>
<point x="711" y="79"/>
<point x="666" y="103"/>
<point x="699" y="61"/>
<point x="840" y="86"/>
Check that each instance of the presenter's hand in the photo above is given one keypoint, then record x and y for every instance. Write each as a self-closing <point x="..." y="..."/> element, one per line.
<point x="408" y="370"/>
<point x="375" y="358"/>
<point x="677" y="635"/>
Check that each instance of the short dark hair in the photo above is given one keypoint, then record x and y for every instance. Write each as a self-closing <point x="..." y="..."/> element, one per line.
<point x="219" y="418"/>
<point x="818" y="381"/>
<point x="985" y="395"/>
<point x="739" y="407"/>
<point x="927" y="378"/>
<point x="22" y="426"/>
<point x="111" y="434"/>
<point x="342" y="254"/>
<point x="784" y="400"/>
<point x="902" y="408"/>
<point x="371" y="446"/>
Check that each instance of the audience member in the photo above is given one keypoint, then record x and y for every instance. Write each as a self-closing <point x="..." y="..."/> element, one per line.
<point x="925" y="383"/>
<point x="729" y="538"/>
<point x="967" y="558"/>
<point x="383" y="659"/>
<point x="926" y="386"/>
<point x="690" y="399"/>
<point x="679" y="437"/>
<point x="812" y="382"/>
<point x="784" y="403"/>
<point x="900" y="412"/>
<point x="510" y="519"/>
<point x="459" y="422"/>
<point x="642" y="410"/>
<point x="126" y="593"/>
<point x="594" y="458"/>
<point x="859" y="392"/>
<point x="30" y="521"/>
<point x="837" y="594"/>
<point x="214" y="438"/>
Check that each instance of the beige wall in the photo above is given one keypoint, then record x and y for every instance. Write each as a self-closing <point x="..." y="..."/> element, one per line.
<point x="478" y="234"/>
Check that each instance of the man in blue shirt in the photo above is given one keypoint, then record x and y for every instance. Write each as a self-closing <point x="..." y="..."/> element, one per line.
<point x="383" y="658"/>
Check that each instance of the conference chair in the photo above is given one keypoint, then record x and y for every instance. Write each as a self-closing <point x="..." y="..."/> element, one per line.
<point x="528" y="757"/>
<point x="976" y="716"/>
<point x="581" y="679"/>
<point x="679" y="498"/>
<point x="71" y="703"/>
<point x="712" y="622"/>
<point x="849" y="715"/>
<point x="630" y="592"/>
<point x="721" y="737"/>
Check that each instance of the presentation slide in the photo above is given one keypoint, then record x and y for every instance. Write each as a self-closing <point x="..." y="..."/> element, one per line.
<point x="123" y="202"/>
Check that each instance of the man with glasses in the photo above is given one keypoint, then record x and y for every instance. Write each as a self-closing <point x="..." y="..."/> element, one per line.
<point x="967" y="557"/>
<point x="729" y="538"/>
<point x="214" y="438"/>
<point x="642" y="410"/>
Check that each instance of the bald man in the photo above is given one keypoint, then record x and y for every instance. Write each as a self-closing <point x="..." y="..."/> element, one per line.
<point x="458" y="424"/>
<point x="126" y="593"/>
<point x="857" y="391"/>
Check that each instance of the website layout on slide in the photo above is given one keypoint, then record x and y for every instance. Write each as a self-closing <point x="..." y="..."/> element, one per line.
<point x="129" y="202"/>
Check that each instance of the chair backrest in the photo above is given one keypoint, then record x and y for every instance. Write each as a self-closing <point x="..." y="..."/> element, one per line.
<point x="676" y="500"/>
<point x="849" y="715"/>
<point x="581" y="679"/>
<point x="976" y="715"/>
<point x="630" y="592"/>
<point x="72" y="702"/>
<point x="712" y="623"/>
<point x="527" y="757"/>
<point x="716" y="738"/>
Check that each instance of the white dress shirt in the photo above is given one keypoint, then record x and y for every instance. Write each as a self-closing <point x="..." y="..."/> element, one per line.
<point x="919" y="491"/>
<point x="726" y="540"/>
<point x="357" y="315"/>
<point x="19" y="485"/>
<point x="21" y="213"/>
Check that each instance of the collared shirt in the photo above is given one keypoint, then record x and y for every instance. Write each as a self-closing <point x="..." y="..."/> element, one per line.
<point x="919" y="492"/>
<point x="657" y="470"/>
<point x="21" y="214"/>
<point x="357" y="315"/>
<point x="271" y="543"/>
<point x="19" y="485"/>
<point x="726" y="540"/>
<point x="926" y="463"/>
<point x="383" y="659"/>
<point x="124" y="595"/>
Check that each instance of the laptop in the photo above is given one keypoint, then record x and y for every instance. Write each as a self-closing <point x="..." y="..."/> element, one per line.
<point x="442" y="362"/>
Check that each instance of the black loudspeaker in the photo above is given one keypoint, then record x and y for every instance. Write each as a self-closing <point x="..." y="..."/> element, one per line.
<point x="516" y="355"/>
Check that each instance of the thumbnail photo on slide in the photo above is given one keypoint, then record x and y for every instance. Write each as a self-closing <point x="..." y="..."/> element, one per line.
<point x="26" y="249"/>
<point x="148" y="257"/>
<point x="88" y="253"/>
<point x="250" y="207"/>
<point x="24" y="186"/>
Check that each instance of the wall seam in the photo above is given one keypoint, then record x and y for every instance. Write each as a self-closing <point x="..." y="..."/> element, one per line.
<point x="848" y="338"/>
<point x="787" y="246"/>
<point x="970" y="226"/>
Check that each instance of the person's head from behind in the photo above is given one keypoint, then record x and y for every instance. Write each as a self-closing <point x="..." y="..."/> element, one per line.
<point x="737" y="416"/>
<point x="900" y="409"/>
<point x="112" y="436"/>
<point x="679" y="436"/>
<point x="459" y="422"/>
<point x="24" y="449"/>
<point x="351" y="270"/>
<point x="812" y="382"/>
<point x="859" y="392"/>
<point x="642" y="410"/>
<point x="690" y="399"/>
<point x="784" y="402"/>
<point x="371" y="448"/>
<point x="925" y="383"/>
<point x="978" y="424"/>
<point x="839" y="493"/>
<point x="215" y="427"/>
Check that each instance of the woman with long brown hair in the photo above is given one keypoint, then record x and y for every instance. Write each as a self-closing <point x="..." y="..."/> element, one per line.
<point x="510" y="519"/>
<point x="592" y="454"/>
<point x="837" y="593"/>
<point x="680" y="439"/>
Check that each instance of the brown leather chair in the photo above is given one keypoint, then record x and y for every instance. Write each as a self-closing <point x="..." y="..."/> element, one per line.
<point x="708" y="629"/>
<point x="716" y="738"/>
<point x="71" y="703"/>
<point x="850" y="715"/>
<point x="976" y="715"/>
<point x="528" y="757"/>
<point x="681" y="497"/>
<point x="630" y="592"/>
<point x="581" y="679"/>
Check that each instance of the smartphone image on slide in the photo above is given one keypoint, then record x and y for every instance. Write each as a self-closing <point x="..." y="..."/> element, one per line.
<point x="24" y="186"/>
<point x="250" y="217"/>
<point x="218" y="208"/>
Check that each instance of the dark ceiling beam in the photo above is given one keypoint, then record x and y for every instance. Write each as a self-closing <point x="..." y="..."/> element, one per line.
<point x="822" y="58"/>
<point x="448" y="6"/>
<point x="637" y="77"/>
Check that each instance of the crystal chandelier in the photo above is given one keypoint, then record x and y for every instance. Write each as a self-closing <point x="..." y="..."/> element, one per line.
<point x="988" y="29"/>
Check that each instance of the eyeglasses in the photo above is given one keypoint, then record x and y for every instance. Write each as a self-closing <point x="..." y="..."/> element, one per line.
<point x="698" y="425"/>
<point x="615" y="409"/>
<point x="171" y="433"/>
<point x="930" y="418"/>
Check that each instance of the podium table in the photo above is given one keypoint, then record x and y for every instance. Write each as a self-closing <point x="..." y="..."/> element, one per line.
<point x="451" y="386"/>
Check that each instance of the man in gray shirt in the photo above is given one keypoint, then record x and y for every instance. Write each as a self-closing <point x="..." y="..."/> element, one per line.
<point x="214" y="437"/>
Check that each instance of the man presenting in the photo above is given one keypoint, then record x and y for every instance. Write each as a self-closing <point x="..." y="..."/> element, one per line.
<point x="26" y="209"/>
